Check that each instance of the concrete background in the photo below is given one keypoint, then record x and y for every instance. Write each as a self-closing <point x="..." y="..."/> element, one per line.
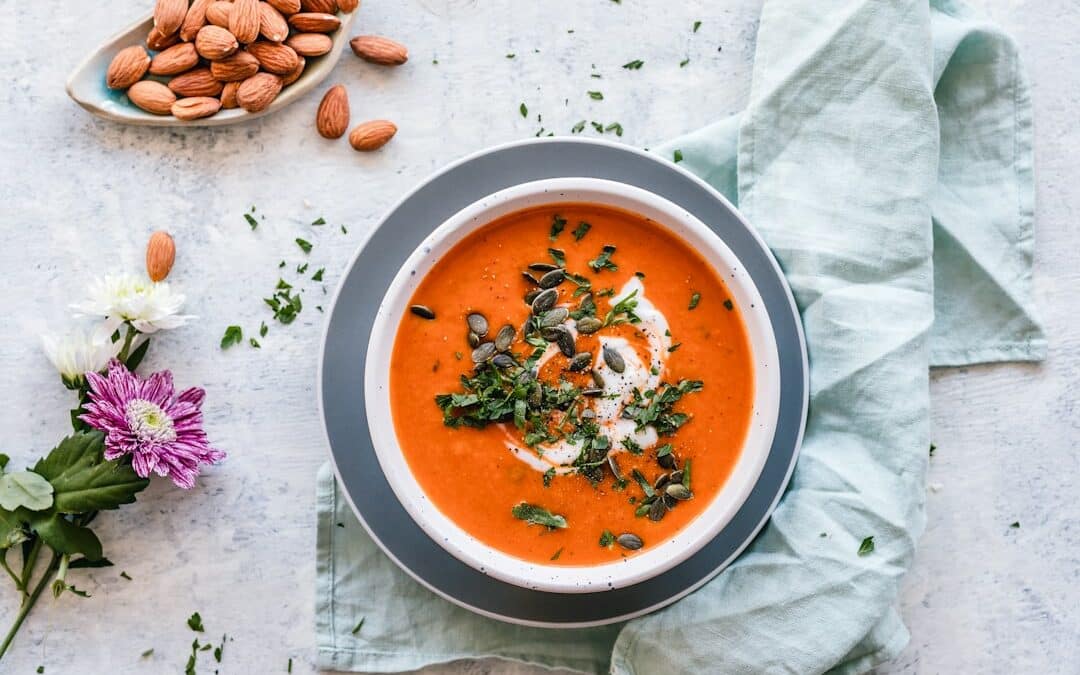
<point x="79" y="196"/>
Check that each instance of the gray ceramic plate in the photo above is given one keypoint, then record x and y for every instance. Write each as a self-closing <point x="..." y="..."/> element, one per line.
<point x="341" y="387"/>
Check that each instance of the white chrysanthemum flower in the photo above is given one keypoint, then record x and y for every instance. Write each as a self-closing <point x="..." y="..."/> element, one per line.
<point x="79" y="352"/>
<point x="149" y="306"/>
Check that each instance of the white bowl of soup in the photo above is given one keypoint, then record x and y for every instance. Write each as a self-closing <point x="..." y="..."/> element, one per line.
<point x="572" y="385"/>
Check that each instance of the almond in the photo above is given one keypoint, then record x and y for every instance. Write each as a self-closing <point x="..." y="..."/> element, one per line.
<point x="314" y="22"/>
<point x="348" y="6"/>
<point x="197" y="82"/>
<point x="174" y="60"/>
<point x="310" y="44"/>
<point x="169" y="15"/>
<point x="372" y="135"/>
<point x="274" y="58"/>
<point x="258" y="91"/>
<point x="324" y="6"/>
<point x="244" y="20"/>
<point x="215" y="43"/>
<point x="152" y="96"/>
<point x="127" y="67"/>
<point x="155" y="41"/>
<point x="228" y="95"/>
<point x="194" y="20"/>
<point x="218" y="13"/>
<point x="286" y="7"/>
<point x="195" y="107"/>
<point x="239" y="66"/>
<point x="286" y="80"/>
<point x="378" y="49"/>
<point x="272" y="24"/>
<point x="332" y="119"/>
<point x="160" y="256"/>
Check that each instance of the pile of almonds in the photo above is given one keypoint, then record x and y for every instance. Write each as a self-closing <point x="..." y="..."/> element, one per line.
<point x="214" y="54"/>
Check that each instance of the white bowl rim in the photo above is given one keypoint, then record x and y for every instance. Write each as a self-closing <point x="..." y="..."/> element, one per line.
<point x="657" y="558"/>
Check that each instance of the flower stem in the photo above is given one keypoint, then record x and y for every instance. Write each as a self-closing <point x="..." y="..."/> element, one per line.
<point x="11" y="572"/>
<point x="131" y="333"/>
<point x="29" y="602"/>
<point x="28" y="565"/>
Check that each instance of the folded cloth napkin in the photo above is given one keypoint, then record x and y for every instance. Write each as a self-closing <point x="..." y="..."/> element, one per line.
<point x="885" y="156"/>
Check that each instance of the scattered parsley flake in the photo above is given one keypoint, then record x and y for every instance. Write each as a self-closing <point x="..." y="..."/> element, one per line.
<point x="344" y="230"/>
<point x="636" y="64"/>
<point x="697" y="24"/>
<point x="510" y="56"/>
<point x="548" y="475"/>
<point x="695" y="300"/>
<point x="300" y="269"/>
<point x="599" y="127"/>
<point x="867" y="546"/>
<point x="578" y="128"/>
<point x="558" y="224"/>
<point x="674" y="347"/>
<point x="40" y="669"/>
<point x="728" y="304"/>
<point x="254" y="343"/>
<point x="682" y="64"/>
<point x="194" y="622"/>
<point x="556" y="554"/>
<point x="263" y="329"/>
<point x="524" y="110"/>
<point x="148" y="653"/>
<point x="304" y="245"/>
<point x="603" y="261"/>
<point x="290" y="665"/>
<point x="319" y="221"/>
<point x="1015" y="525"/>
<point x="359" y="625"/>
<point x="125" y="575"/>
<point x="318" y="276"/>
<point x="219" y="650"/>
<point x="581" y="230"/>
<point x="677" y="156"/>
<point x="607" y="538"/>
<point x="251" y="221"/>
<point x="932" y="449"/>
<point x="616" y="127"/>
<point x="596" y="95"/>
<point x="281" y="264"/>
<point x="233" y="336"/>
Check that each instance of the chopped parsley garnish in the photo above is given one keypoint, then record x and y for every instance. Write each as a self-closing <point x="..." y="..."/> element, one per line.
<point x="254" y="343"/>
<point x="632" y="446"/>
<point x="867" y="546"/>
<point x="607" y="538"/>
<point x="682" y="64"/>
<point x="548" y="475"/>
<point x="251" y="220"/>
<point x="148" y="653"/>
<point x="524" y="110"/>
<point x="677" y="156"/>
<point x="510" y="56"/>
<point x="616" y="127"/>
<point x="1015" y="525"/>
<point x="304" y="245"/>
<point x="697" y="24"/>
<point x="319" y="221"/>
<point x="728" y="305"/>
<point x="596" y="95"/>
<point x="556" y="554"/>
<point x="636" y="64"/>
<point x="581" y="230"/>
<point x="359" y="625"/>
<point x="932" y="449"/>
<point x="557" y="254"/>
<point x="233" y="336"/>
<point x="285" y="304"/>
<point x="318" y="276"/>
<point x="219" y="650"/>
<point x="623" y="311"/>
<point x="695" y="300"/>
<point x="125" y="575"/>
<point x="674" y="348"/>
<point x="263" y="329"/>
<point x="558" y="224"/>
<point x="578" y="128"/>
<point x="603" y="261"/>
<point x="599" y="127"/>
<point x="300" y="269"/>
<point x="655" y="407"/>
<point x="538" y="515"/>
<point x="194" y="622"/>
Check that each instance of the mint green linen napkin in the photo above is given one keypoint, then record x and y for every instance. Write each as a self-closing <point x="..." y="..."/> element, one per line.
<point x="885" y="156"/>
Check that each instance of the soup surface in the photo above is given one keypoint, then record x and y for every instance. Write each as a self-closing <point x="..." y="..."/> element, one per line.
<point x="572" y="384"/>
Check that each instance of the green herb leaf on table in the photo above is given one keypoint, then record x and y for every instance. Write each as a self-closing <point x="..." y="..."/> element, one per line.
<point x="194" y="622"/>
<point x="234" y="335"/>
<point x="636" y="64"/>
<point x="677" y="156"/>
<point x="319" y="221"/>
<point x="867" y="546"/>
<point x="596" y="95"/>
<point x="359" y="625"/>
<point x="25" y="489"/>
<point x="524" y="110"/>
<point x="578" y="128"/>
<point x="538" y="515"/>
<point x="304" y="245"/>
<point x="697" y="24"/>
<point x="251" y="220"/>
<point x="682" y="64"/>
<point x="148" y="653"/>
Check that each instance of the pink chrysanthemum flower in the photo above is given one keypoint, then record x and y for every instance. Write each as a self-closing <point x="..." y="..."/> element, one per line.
<point x="161" y="431"/>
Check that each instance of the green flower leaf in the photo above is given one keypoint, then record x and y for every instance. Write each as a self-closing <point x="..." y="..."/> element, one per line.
<point x="538" y="515"/>
<point x="64" y="536"/>
<point x="11" y="530"/>
<point x="84" y="480"/>
<point x="26" y="489"/>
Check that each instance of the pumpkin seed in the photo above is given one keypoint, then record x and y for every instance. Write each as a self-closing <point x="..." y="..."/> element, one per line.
<point x="544" y="301"/>
<point x="661" y="481"/>
<point x="678" y="491"/>
<point x="657" y="510"/>
<point x="504" y="338"/>
<point x="565" y="341"/>
<point x="597" y="378"/>
<point x="542" y="267"/>
<point x="477" y="324"/>
<point x="631" y="542"/>
<point x="676" y="476"/>
<point x="474" y="340"/>
<point x="530" y="278"/>
<point x="669" y="501"/>
<point x="614" y="468"/>
<point x="503" y="361"/>
<point x="614" y="360"/>
<point x="554" y="317"/>
<point x="666" y="461"/>
<point x="579" y="362"/>
<point x="587" y="325"/>
<point x="592" y="392"/>
<point x="484" y="352"/>
<point x="423" y="311"/>
<point x="531" y="295"/>
<point x="553" y="278"/>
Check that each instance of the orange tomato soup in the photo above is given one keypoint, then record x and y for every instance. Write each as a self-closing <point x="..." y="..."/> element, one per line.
<point x="476" y="471"/>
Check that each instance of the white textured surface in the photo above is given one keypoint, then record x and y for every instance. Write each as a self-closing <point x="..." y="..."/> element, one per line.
<point x="80" y="195"/>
